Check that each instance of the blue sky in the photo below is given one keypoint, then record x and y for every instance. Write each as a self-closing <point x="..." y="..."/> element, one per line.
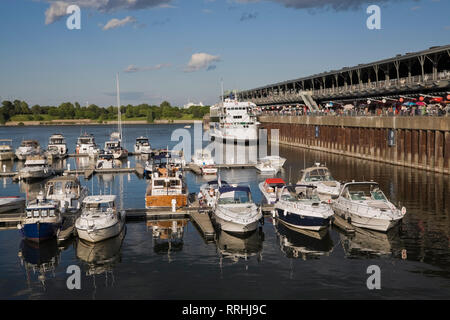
<point x="248" y="43"/>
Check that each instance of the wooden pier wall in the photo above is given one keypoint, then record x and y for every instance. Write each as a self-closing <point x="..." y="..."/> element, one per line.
<point x="420" y="142"/>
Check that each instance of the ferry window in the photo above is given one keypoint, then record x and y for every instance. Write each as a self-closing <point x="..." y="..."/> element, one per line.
<point x="36" y="213"/>
<point x="52" y="212"/>
<point x="44" y="213"/>
<point x="29" y="214"/>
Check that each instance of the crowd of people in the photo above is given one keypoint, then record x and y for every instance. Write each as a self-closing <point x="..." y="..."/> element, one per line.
<point x="360" y="110"/>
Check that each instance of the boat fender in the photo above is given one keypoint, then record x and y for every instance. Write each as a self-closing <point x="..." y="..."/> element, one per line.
<point x="403" y="211"/>
<point x="285" y="212"/>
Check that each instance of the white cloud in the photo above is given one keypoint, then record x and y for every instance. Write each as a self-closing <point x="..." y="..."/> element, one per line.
<point x="201" y="61"/>
<point x="115" y="23"/>
<point x="55" y="11"/>
<point x="58" y="8"/>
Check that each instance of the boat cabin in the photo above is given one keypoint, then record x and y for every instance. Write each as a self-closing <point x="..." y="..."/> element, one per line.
<point x="318" y="173"/>
<point x="142" y="141"/>
<point x="100" y="203"/>
<point x="234" y="195"/>
<point x="40" y="211"/>
<point x="62" y="185"/>
<point x="299" y="192"/>
<point x="57" y="139"/>
<point x="363" y="191"/>
<point x="86" y="139"/>
<point x="30" y="143"/>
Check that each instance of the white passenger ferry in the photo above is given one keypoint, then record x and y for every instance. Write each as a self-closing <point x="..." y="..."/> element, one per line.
<point x="236" y="122"/>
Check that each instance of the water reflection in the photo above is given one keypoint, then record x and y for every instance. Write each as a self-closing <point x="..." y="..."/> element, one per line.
<point x="303" y="244"/>
<point x="369" y="243"/>
<point x="167" y="235"/>
<point x="101" y="257"/>
<point x="39" y="261"/>
<point x="235" y="247"/>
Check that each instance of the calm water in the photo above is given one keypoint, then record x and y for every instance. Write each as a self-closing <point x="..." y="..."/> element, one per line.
<point x="170" y="259"/>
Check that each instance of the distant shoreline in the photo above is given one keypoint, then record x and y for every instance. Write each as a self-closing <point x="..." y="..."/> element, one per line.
<point x="81" y="122"/>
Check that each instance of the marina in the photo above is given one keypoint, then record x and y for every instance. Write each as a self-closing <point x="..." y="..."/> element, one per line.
<point x="258" y="248"/>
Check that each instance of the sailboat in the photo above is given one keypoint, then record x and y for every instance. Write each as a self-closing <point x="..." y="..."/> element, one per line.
<point x="114" y="146"/>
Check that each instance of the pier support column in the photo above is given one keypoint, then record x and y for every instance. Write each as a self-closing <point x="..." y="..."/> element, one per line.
<point x="430" y="149"/>
<point x="415" y="147"/>
<point x="447" y="150"/>
<point x="423" y="148"/>
<point x="408" y="146"/>
<point x="439" y="151"/>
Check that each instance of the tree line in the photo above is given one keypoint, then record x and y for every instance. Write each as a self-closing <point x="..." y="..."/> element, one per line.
<point x="66" y="111"/>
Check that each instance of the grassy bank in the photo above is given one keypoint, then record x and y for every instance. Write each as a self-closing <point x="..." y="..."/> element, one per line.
<point x="79" y="122"/>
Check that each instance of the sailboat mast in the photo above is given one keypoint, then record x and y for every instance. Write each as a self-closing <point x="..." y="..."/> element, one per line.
<point x="221" y="82"/>
<point x="119" y="115"/>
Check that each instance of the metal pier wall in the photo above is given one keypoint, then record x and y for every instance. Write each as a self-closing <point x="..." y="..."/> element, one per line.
<point x="418" y="142"/>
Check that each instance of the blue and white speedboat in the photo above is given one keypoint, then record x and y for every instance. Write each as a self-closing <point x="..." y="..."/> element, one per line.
<point x="300" y="207"/>
<point x="42" y="220"/>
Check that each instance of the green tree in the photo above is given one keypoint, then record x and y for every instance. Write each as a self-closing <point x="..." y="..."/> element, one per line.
<point x="150" y="116"/>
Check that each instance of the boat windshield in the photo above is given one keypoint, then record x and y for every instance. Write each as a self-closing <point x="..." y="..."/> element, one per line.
<point x="99" y="206"/>
<point x="299" y="193"/>
<point x="318" y="175"/>
<point x="234" y="197"/>
<point x="364" y="192"/>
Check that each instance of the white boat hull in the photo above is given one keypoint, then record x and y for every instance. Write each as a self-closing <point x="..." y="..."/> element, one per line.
<point x="371" y="223"/>
<point x="97" y="235"/>
<point x="233" y="227"/>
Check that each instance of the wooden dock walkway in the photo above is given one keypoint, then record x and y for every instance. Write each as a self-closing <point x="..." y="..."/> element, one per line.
<point x="203" y="222"/>
<point x="342" y="224"/>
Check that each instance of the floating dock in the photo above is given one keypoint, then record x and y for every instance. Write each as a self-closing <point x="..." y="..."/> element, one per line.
<point x="342" y="224"/>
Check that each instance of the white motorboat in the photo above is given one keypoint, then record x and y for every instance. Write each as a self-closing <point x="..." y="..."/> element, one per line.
<point x="114" y="148"/>
<point x="28" y="148"/>
<point x="42" y="220"/>
<point x="57" y="146"/>
<point x="300" y="207"/>
<point x="320" y="176"/>
<point x="271" y="188"/>
<point x="142" y="146"/>
<point x="100" y="219"/>
<point x="235" y="123"/>
<point x="67" y="191"/>
<point x="86" y="145"/>
<point x="105" y="161"/>
<point x="205" y="161"/>
<point x="266" y="168"/>
<point x="9" y="204"/>
<point x="364" y="205"/>
<point x="235" y="210"/>
<point x="275" y="161"/>
<point x="6" y="150"/>
<point x="166" y="188"/>
<point x="35" y="168"/>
